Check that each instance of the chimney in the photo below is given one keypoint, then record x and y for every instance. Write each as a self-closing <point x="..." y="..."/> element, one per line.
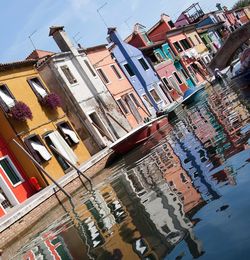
<point x="62" y="40"/>
<point x="114" y="36"/>
<point x="218" y="5"/>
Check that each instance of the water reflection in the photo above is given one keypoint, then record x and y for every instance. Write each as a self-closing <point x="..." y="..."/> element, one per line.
<point x="152" y="206"/>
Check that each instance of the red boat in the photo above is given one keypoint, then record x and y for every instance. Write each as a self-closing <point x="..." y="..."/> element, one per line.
<point x="138" y="135"/>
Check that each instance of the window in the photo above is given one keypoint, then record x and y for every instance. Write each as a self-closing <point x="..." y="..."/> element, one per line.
<point x="171" y="24"/>
<point x="90" y="68"/>
<point x="65" y="166"/>
<point x="178" y="78"/>
<point x="55" y="140"/>
<point x="68" y="134"/>
<point x="117" y="73"/>
<point x="7" y="100"/>
<point x="173" y="83"/>
<point x="68" y="74"/>
<point x="5" y="202"/>
<point x="129" y="70"/>
<point x="10" y="170"/>
<point x="185" y="44"/>
<point x="171" y="53"/>
<point x="103" y="76"/>
<point x="122" y="106"/>
<point x="143" y="64"/>
<point x="38" y="88"/>
<point x="178" y="47"/>
<point x="148" y="102"/>
<point x="159" y="56"/>
<point x="145" y="36"/>
<point x="37" y="149"/>
<point x="185" y="74"/>
<point x="99" y="125"/>
<point x="166" y="83"/>
<point x="198" y="39"/>
<point x="190" y="39"/>
<point x="155" y="95"/>
<point x="135" y="100"/>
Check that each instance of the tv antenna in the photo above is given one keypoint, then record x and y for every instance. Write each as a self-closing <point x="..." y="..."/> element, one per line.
<point x="98" y="11"/>
<point x="30" y="38"/>
<point x="126" y="22"/>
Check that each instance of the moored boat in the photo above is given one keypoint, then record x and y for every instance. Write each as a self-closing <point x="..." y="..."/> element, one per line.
<point x="138" y="135"/>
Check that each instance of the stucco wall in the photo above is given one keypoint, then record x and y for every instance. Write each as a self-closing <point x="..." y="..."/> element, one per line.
<point x="44" y="120"/>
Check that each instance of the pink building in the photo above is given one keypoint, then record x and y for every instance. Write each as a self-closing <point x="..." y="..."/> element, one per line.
<point x="118" y="85"/>
<point x="14" y="186"/>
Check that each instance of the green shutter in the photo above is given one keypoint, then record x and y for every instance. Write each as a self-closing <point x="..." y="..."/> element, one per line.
<point x="8" y="169"/>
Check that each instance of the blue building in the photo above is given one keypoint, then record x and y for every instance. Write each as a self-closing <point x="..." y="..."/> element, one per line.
<point x="139" y="72"/>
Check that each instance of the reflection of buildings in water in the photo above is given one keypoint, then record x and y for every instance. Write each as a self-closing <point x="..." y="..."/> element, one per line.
<point x="176" y="176"/>
<point x="156" y="204"/>
<point x="194" y="160"/>
<point x="231" y="112"/>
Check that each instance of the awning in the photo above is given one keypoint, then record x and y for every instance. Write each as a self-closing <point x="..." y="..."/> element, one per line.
<point x="41" y="150"/>
<point x="40" y="90"/>
<point x="9" y="101"/>
<point x="71" y="134"/>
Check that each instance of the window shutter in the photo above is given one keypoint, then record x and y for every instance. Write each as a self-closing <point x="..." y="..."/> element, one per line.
<point x="31" y="150"/>
<point x="5" y="89"/>
<point x="65" y="136"/>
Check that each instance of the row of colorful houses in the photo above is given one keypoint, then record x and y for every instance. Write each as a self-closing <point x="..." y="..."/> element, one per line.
<point x="80" y="100"/>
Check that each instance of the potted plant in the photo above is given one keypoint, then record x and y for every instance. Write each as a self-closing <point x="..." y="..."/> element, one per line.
<point x="52" y="101"/>
<point x="20" y="111"/>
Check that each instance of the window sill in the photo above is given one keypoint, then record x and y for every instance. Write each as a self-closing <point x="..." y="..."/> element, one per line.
<point x="17" y="184"/>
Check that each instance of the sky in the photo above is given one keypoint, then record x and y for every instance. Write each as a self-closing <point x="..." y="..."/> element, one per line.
<point x="21" y="19"/>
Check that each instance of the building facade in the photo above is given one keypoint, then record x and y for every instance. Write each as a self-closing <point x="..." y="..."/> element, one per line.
<point x="174" y="83"/>
<point x="118" y="84"/>
<point x="139" y="72"/>
<point x="14" y="185"/>
<point x="32" y="116"/>
<point x="86" y="97"/>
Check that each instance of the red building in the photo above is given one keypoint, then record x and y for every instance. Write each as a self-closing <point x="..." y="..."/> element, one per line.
<point x="14" y="186"/>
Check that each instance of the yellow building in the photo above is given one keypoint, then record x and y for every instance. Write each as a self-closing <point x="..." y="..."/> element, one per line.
<point x="23" y="92"/>
<point x="198" y="45"/>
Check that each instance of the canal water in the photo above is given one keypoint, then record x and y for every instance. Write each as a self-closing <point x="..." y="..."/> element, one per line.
<point x="184" y="194"/>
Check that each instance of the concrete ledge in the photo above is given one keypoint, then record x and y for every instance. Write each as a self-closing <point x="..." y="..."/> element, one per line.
<point x="24" y="208"/>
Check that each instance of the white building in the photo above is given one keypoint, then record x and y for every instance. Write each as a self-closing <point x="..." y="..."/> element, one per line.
<point x="86" y="99"/>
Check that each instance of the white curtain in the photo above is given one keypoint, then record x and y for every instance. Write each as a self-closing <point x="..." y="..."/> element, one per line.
<point x="62" y="147"/>
<point x="41" y="150"/>
<point x="9" y="101"/>
<point x="40" y="90"/>
<point x="71" y="134"/>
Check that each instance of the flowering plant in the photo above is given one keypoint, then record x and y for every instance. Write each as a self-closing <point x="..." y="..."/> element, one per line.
<point x="20" y="111"/>
<point x="52" y="101"/>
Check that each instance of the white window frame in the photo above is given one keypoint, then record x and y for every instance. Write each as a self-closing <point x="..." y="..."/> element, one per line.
<point x="9" y="193"/>
<point x="159" y="95"/>
<point x="15" y="170"/>
<point x="172" y="88"/>
<point x="173" y="77"/>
